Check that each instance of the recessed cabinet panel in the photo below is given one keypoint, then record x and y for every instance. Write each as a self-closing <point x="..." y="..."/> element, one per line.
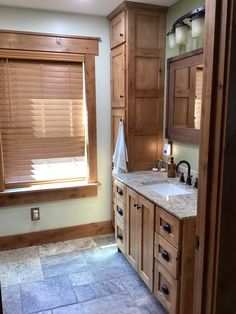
<point x="167" y="255"/>
<point x="140" y="235"/>
<point x="166" y="288"/>
<point x="147" y="31"/>
<point x="146" y="232"/>
<point x="185" y="79"/>
<point x="147" y="114"/>
<point x="118" y="30"/>
<point x="168" y="227"/>
<point x="118" y="77"/>
<point x="147" y="73"/>
<point x="145" y="151"/>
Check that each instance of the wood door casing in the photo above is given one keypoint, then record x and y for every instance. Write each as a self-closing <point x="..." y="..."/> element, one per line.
<point x="146" y="241"/>
<point x="118" y="77"/>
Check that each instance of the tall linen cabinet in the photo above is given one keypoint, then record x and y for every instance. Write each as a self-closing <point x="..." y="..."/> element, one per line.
<point x="137" y="80"/>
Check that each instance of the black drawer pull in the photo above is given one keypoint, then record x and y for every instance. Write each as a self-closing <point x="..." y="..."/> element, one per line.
<point x="119" y="190"/>
<point x="165" y="255"/>
<point x="119" y="210"/>
<point x="119" y="236"/>
<point x="165" y="289"/>
<point x="166" y="227"/>
<point x="121" y="34"/>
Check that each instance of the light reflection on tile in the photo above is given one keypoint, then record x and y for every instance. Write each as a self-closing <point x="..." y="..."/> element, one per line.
<point x="66" y="246"/>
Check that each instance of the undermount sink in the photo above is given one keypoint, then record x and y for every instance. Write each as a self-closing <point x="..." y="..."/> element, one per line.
<point x="166" y="188"/>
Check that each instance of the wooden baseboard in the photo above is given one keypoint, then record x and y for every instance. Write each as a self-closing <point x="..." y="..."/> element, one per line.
<point x="55" y="235"/>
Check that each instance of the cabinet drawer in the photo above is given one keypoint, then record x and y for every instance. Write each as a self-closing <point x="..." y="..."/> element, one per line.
<point x="118" y="30"/>
<point x="120" y="191"/>
<point x="120" y="211"/>
<point x="167" y="255"/>
<point x="168" y="227"/>
<point x="120" y="235"/>
<point x="166" y="288"/>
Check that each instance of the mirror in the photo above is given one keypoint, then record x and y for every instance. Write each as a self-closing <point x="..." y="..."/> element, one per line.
<point x="184" y="98"/>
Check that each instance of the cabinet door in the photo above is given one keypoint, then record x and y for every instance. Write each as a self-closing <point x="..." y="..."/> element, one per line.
<point x="117" y="115"/>
<point x="118" y="77"/>
<point x="146" y="240"/>
<point x="132" y="228"/>
<point x="118" y="30"/>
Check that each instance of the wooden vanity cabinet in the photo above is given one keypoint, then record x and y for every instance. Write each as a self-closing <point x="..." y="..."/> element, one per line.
<point x="137" y="79"/>
<point x="140" y="235"/>
<point x="174" y="256"/>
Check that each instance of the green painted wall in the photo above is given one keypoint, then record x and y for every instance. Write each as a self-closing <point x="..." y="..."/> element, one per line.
<point x="181" y="150"/>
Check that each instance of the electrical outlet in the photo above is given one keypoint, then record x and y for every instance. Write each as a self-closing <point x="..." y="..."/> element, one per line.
<point x="35" y="213"/>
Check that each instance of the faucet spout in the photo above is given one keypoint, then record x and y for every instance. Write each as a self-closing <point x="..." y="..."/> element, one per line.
<point x="188" y="180"/>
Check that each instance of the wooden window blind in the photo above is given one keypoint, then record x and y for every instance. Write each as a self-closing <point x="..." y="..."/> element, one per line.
<point x="43" y="121"/>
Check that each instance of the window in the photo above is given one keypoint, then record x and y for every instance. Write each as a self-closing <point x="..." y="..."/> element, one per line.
<point x="47" y="116"/>
<point x="43" y="121"/>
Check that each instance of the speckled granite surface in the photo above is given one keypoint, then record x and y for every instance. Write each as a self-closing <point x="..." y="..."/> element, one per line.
<point x="181" y="206"/>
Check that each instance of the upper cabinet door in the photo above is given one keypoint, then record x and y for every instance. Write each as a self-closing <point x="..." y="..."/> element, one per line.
<point x="185" y="78"/>
<point x="118" y="30"/>
<point x="118" y="77"/>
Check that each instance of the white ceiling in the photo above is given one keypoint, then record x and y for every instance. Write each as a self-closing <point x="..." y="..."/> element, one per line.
<point x="94" y="7"/>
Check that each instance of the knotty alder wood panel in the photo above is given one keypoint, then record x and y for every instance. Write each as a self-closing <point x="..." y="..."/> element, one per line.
<point x="118" y="77"/>
<point x="181" y="117"/>
<point x="140" y="235"/>
<point x="117" y="28"/>
<point x="14" y="40"/>
<point x="145" y="242"/>
<point x="54" y="235"/>
<point x="145" y="47"/>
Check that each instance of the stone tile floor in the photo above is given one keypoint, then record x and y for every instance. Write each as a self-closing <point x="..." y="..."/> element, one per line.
<point x="83" y="276"/>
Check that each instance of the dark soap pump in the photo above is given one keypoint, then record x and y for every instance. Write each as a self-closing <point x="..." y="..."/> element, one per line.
<point x="171" y="167"/>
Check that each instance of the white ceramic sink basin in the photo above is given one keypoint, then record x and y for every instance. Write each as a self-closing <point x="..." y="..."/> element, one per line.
<point x="167" y="189"/>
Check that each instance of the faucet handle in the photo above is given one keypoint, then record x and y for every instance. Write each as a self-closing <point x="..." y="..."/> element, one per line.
<point x="196" y="183"/>
<point x="181" y="179"/>
<point x="189" y="180"/>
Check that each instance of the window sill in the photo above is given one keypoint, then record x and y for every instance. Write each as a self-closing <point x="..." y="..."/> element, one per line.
<point x="47" y="193"/>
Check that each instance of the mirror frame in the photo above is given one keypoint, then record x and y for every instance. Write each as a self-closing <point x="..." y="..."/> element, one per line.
<point x="184" y="135"/>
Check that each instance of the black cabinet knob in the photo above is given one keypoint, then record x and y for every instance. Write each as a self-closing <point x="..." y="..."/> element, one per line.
<point x="121" y="35"/>
<point x="119" y="210"/>
<point x="166" y="227"/>
<point x="119" y="191"/>
<point x="135" y="205"/>
<point x="119" y="236"/>
<point x="164" y="289"/>
<point x="165" y="255"/>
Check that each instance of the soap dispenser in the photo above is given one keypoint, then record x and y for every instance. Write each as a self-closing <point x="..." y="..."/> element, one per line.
<point x="171" y="168"/>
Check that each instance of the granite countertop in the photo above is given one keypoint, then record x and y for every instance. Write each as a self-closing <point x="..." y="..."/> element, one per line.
<point x="181" y="206"/>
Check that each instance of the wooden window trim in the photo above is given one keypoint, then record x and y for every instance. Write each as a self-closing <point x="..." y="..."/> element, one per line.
<point x="27" y="45"/>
